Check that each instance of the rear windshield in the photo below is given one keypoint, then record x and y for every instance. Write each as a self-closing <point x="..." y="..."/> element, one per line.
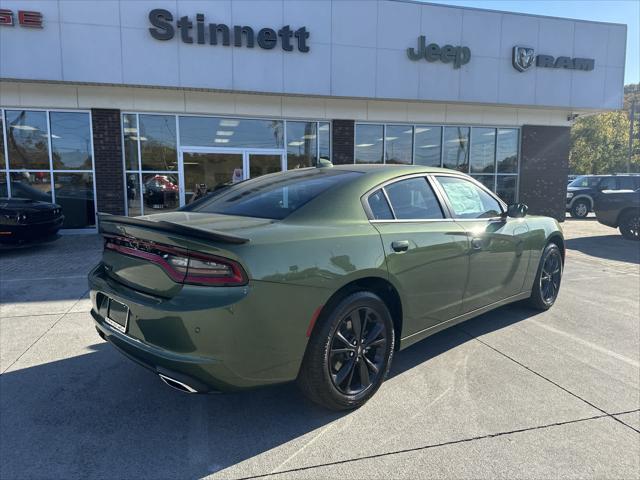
<point x="275" y="196"/>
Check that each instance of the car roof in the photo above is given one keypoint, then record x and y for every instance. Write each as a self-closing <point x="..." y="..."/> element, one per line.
<point x="390" y="168"/>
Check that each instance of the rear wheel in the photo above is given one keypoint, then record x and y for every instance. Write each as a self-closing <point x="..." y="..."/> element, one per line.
<point x="580" y="209"/>
<point x="349" y="353"/>
<point x="547" y="283"/>
<point x="629" y="226"/>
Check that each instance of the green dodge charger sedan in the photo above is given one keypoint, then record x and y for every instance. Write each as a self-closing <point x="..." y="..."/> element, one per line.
<point x="316" y="275"/>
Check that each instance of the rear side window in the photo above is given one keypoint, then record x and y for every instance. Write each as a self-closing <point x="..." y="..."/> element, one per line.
<point x="629" y="183"/>
<point x="379" y="206"/>
<point x="274" y="197"/>
<point x="413" y="199"/>
<point x="469" y="200"/>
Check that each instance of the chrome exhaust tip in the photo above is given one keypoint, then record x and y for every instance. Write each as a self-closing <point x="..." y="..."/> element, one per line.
<point x="173" y="383"/>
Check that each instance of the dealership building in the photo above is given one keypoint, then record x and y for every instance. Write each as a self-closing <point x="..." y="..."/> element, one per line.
<point x="136" y="107"/>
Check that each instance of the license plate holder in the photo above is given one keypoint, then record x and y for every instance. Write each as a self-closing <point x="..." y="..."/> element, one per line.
<point x="117" y="315"/>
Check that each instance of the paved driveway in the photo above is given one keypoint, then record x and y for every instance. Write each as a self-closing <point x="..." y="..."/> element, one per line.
<point x="509" y="394"/>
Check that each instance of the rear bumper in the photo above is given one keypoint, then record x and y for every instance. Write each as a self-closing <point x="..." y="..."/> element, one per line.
<point x="212" y="338"/>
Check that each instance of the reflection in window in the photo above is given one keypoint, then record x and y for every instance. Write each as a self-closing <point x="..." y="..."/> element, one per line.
<point x="3" y="164"/>
<point x="456" y="148"/>
<point x="506" y="189"/>
<point x="3" y="185"/>
<point x="428" y="145"/>
<point x="74" y="193"/>
<point x="157" y="134"/>
<point x="231" y="132"/>
<point x="483" y="144"/>
<point x="398" y="144"/>
<point x="413" y="199"/>
<point x="368" y="143"/>
<point x="487" y="180"/>
<point x="324" y="140"/>
<point x="130" y="132"/>
<point x="70" y="141"/>
<point x="27" y="139"/>
<point x="379" y="206"/>
<point x="132" y="181"/>
<point x="160" y="192"/>
<point x="507" y="150"/>
<point x="301" y="145"/>
<point x="207" y="172"/>
<point x="263" y="164"/>
<point x="31" y="185"/>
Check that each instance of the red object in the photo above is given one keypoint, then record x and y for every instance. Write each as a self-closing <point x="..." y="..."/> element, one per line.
<point x="30" y="19"/>
<point x="167" y="257"/>
<point x="314" y="319"/>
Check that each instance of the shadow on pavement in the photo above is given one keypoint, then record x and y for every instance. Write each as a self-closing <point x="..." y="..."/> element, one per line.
<point x="610" y="247"/>
<point x="98" y="415"/>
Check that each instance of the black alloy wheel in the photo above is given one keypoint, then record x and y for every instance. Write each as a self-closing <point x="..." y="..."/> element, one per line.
<point x="349" y="353"/>
<point x="550" y="277"/>
<point x="547" y="283"/>
<point x="357" y="352"/>
<point x="630" y="226"/>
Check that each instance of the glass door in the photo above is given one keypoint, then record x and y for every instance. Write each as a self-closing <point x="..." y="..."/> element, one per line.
<point x="262" y="163"/>
<point x="206" y="171"/>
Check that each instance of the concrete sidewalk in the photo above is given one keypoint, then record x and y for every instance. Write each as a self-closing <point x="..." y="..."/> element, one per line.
<point x="513" y="393"/>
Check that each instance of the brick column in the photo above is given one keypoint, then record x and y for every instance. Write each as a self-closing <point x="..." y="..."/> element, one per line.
<point x="107" y="150"/>
<point x="343" y="133"/>
<point x="544" y="166"/>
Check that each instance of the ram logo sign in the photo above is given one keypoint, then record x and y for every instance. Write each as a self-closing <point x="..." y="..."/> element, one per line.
<point x="523" y="58"/>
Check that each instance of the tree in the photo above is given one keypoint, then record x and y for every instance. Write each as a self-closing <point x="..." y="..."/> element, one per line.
<point x="600" y="143"/>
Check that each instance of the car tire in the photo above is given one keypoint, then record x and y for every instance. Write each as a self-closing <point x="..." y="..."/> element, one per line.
<point x="548" y="277"/>
<point x="580" y="209"/>
<point x="349" y="353"/>
<point x="629" y="225"/>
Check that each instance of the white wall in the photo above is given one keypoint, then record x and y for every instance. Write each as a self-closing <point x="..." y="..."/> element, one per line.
<point x="357" y="50"/>
<point x="137" y="99"/>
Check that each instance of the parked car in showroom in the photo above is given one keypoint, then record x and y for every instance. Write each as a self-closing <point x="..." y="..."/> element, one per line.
<point x="24" y="221"/>
<point x="582" y="191"/>
<point x="621" y="209"/>
<point x="317" y="275"/>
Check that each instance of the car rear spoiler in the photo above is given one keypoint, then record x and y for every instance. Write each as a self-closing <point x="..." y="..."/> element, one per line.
<point x="169" y="227"/>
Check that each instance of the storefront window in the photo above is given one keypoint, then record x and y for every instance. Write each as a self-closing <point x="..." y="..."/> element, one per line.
<point x="369" y="143"/>
<point x="207" y="172"/>
<point x="456" y="148"/>
<point x="302" y="144"/>
<point x="398" y="144"/>
<point x="158" y="142"/>
<point x="487" y="180"/>
<point x="231" y="132"/>
<point x="134" y="197"/>
<point x="130" y="132"/>
<point x="160" y="192"/>
<point x="31" y="185"/>
<point x="74" y="193"/>
<point x="507" y="150"/>
<point x="27" y="139"/>
<point x="427" y="145"/>
<point x="483" y="145"/>
<point x="507" y="188"/>
<point x="324" y="140"/>
<point x="71" y="141"/>
<point x="3" y="185"/>
<point x="50" y="159"/>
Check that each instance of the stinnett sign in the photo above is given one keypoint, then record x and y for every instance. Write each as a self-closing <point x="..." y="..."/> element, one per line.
<point x="221" y="34"/>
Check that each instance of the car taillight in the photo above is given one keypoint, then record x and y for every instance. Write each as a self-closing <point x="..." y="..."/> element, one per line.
<point x="182" y="266"/>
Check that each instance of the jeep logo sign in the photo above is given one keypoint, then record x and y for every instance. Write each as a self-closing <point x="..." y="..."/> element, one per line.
<point x="432" y="53"/>
<point x="522" y="58"/>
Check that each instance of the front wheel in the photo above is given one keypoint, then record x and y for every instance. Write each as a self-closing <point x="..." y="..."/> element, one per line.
<point x="630" y="226"/>
<point x="547" y="283"/>
<point x="580" y="209"/>
<point x="349" y="353"/>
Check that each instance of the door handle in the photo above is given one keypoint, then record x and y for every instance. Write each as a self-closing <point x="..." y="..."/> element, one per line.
<point x="476" y="243"/>
<point x="400" y="245"/>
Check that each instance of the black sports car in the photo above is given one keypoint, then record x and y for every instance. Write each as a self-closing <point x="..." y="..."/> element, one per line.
<point x="24" y="220"/>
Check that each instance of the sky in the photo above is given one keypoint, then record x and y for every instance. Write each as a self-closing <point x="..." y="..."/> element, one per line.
<point x="614" y="11"/>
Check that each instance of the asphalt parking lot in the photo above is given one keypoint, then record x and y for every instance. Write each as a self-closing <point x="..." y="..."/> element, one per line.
<point x="511" y="394"/>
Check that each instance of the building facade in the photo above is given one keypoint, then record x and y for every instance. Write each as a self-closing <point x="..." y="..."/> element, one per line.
<point x="135" y="107"/>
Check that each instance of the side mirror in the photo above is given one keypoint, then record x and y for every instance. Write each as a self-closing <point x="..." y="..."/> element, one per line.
<point x="517" y="210"/>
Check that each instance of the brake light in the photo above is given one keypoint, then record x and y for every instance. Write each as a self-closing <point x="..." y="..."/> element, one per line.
<point x="182" y="265"/>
